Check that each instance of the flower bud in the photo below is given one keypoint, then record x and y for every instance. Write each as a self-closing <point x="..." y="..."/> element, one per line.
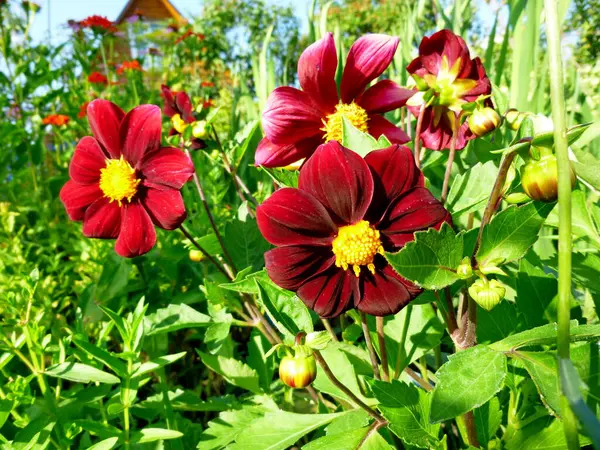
<point x="484" y="121"/>
<point x="464" y="270"/>
<point x="516" y="198"/>
<point x="487" y="294"/>
<point x="196" y="255"/>
<point x="300" y="370"/>
<point x="199" y="129"/>
<point x="514" y="118"/>
<point x="539" y="178"/>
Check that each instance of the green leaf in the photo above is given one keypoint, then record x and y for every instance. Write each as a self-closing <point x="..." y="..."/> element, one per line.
<point x="188" y="401"/>
<point x="356" y="140"/>
<point x="471" y="189"/>
<point x="583" y="226"/>
<point x="6" y="407"/>
<point x="223" y="430"/>
<point x="587" y="168"/>
<point x="81" y="373"/>
<point x="154" y="434"/>
<point x="258" y="359"/>
<point x="488" y="419"/>
<point x="535" y="291"/>
<point x="288" y="312"/>
<point x="245" y="243"/>
<point x="35" y="436"/>
<point x="98" y="428"/>
<point x="216" y="335"/>
<point x="546" y="139"/>
<point x="468" y="380"/>
<point x="233" y="371"/>
<point x="407" y="408"/>
<point x="510" y="234"/>
<point x="279" y="430"/>
<point x="497" y="324"/>
<point x="244" y="281"/>
<point x="430" y="259"/>
<point x="283" y="177"/>
<point x="121" y="325"/>
<point x="157" y="363"/>
<point x="357" y="418"/>
<point x="113" y="279"/>
<point x="173" y="318"/>
<point x="348" y="440"/>
<point x="115" y="364"/>
<point x="546" y="335"/>
<point x="106" y="444"/>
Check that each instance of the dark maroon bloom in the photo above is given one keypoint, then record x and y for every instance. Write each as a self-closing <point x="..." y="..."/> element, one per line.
<point x="296" y="121"/>
<point x="332" y="231"/>
<point x="123" y="182"/>
<point x="447" y="78"/>
<point x="178" y="107"/>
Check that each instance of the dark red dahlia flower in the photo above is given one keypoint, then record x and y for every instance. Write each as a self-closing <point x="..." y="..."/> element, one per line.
<point x="331" y="232"/>
<point x="122" y="182"/>
<point x="447" y="78"/>
<point x="296" y="121"/>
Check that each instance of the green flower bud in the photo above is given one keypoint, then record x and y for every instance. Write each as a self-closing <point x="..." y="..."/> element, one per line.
<point x="196" y="255"/>
<point x="514" y="118"/>
<point x="464" y="270"/>
<point x="300" y="370"/>
<point x="199" y="129"/>
<point x="487" y="294"/>
<point x="484" y="121"/>
<point x="517" y="198"/>
<point x="539" y="178"/>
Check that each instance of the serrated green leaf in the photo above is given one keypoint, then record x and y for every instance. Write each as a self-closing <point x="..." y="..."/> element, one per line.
<point x="81" y="373"/>
<point x="233" y="371"/>
<point x="407" y="408"/>
<point x="511" y="233"/>
<point x="223" y="430"/>
<point x="245" y="243"/>
<point x="587" y="168"/>
<point x="288" y="312"/>
<point x="430" y="260"/>
<point x="468" y="380"/>
<point x="244" y="281"/>
<point x="471" y="189"/>
<point x="173" y="318"/>
<point x="348" y="440"/>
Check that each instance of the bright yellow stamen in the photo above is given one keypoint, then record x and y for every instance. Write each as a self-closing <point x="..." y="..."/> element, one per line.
<point x="118" y="180"/>
<point x="178" y="123"/>
<point x="356" y="115"/>
<point x="356" y="245"/>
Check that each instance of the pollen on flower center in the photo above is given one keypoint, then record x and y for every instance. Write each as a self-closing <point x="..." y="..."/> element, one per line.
<point x="356" y="245"/>
<point x="118" y="180"/>
<point x="356" y="115"/>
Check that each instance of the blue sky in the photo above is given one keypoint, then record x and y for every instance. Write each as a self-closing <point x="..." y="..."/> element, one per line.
<point x="56" y="13"/>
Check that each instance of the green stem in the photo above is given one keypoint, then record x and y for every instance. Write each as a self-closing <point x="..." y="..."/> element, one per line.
<point x="106" y="71"/>
<point x="126" y="400"/>
<point x="553" y="30"/>
<point x="451" y="155"/>
<point x="367" y="334"/>
<point x="401" y="345"/>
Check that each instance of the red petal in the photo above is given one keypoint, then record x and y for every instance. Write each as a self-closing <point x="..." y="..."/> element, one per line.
<point x="290" y="117"/>
<point x="369" y="56"/>
<point x="445" y="43"/>
<point x="394" y="172"/>
<point x="141" y="131"/>
<point x="341" y="180"/>
<point x="384" y="96"/>
<point x="273" y="155"/>
<point x="168" y="167"/>
<point x="77" y="197"/>
<point x="294" y="217"/>
<point x="386" y="292"/>
<point x="137" y="235"/>
<point x="379" y="125"/>
<point x="416" y="210"/>
<point x="170" y="108"/>
<point x="439" y="136"/>
<point x="484" y="85"/>
<point x="316" y="72"/>
<point x="289" y="267"/>
<point x="330" y="293"/>
<point x="87" y="161"/>
<point x="105" y="120"/>
<point x="184" y="106"/>
<point x="102" y="219"/>
<point x="165" y="207"/>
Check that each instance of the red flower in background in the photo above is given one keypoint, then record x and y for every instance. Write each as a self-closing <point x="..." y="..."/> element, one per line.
<point x="447" y="78"/>
<point x="208" y="104"/>
<point x="178" y="107"/>
<point x="297" y="121"/>
<point x="331" y="232"/>
<point x="122" y="182"/>
<point x="97" y="23"/>
<point x="97" y="78"/>
<point x="127" y="66"/>
<point x="207" y="84"/>
<point x="83" y="110"/>
<point x="56" y="120"/>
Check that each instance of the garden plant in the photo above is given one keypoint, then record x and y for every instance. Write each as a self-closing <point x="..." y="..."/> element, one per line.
<point x="377" y="231"/>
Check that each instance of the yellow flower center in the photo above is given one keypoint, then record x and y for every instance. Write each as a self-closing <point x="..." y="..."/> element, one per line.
<point x="356" y="245"/>
<point x="118" y="180"/>
<point x="334" y="121"/>
<point x="178" y="123"/>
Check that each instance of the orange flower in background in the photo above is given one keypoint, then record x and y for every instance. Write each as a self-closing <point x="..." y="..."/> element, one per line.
<point x="56" y="120"/>
<point x="97" y="77"/>
<point x="207" y="84"/>
<point x="129" y="66"/>
<point x="83" y="110"/>
<point x="188" y="34"/>
<point x="96" y="22"/>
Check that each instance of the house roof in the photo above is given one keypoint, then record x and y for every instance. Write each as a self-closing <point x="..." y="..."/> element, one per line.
<point x="151" y="10"/>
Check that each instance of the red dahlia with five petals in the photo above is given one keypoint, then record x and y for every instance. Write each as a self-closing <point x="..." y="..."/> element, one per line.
<point x="297" y="121"/>
<point x="447" y="78"/>
<point x="331" y="232"/>
<point x="123" y="182"/>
